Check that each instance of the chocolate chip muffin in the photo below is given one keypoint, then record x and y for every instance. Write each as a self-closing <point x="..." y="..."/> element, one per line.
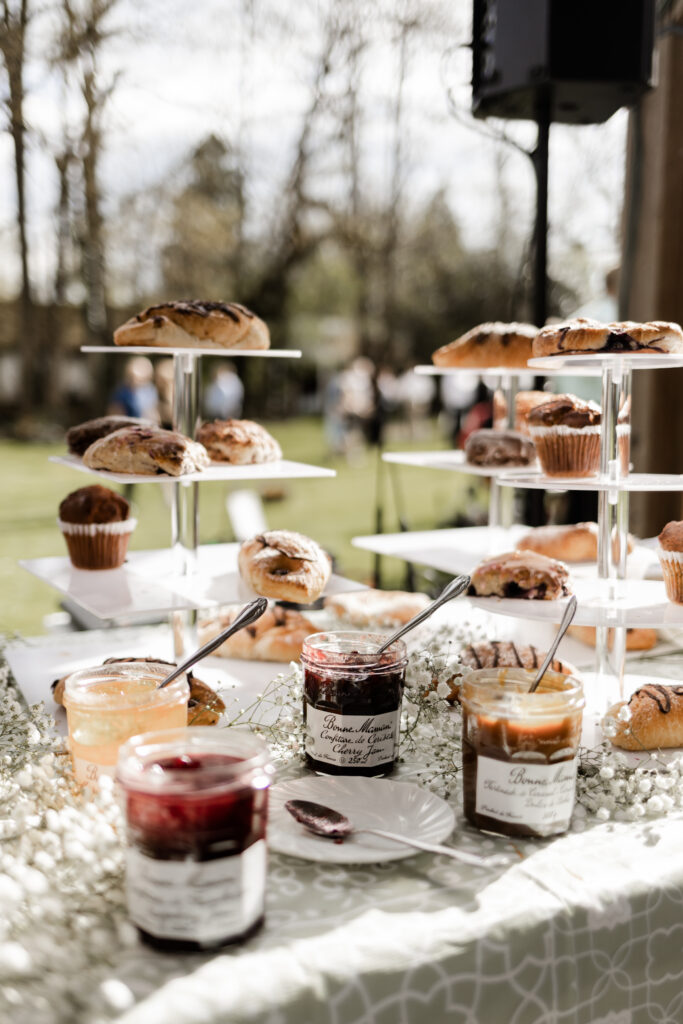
<point x="96" y="525"/>
<point x="566" y="432"/>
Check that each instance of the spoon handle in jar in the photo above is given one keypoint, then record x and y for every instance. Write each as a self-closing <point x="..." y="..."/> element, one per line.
<point x="252" y="611"/>
<point x="569" y="613"/>
<point x="496" y="860"/>
<point x="453" y="589"/>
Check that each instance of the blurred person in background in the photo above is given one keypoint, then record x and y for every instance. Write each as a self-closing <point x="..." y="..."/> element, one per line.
<point x="357" y="403"/>
<point x="416" y="393"/>
<point x="137" y="395"/>
<point x="479" y="416"/>
<point x="164" y="378"/>
<point x="225" y="394"/>
<point x="458" y="393"/>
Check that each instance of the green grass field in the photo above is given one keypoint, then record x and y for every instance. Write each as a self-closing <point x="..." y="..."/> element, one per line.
<point x="330" y="510"/>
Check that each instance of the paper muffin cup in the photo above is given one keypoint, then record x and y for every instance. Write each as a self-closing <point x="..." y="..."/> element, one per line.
<point x="97" y="545"/>
<point x="567" y="451"/>
<point x="672" y="571"/>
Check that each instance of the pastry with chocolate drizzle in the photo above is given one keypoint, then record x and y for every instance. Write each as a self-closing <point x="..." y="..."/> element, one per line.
<point x="584" y="336"/>
<point x="195" y="323"/>
<point x="655" y="720"/>
<point x="490" y="344"/>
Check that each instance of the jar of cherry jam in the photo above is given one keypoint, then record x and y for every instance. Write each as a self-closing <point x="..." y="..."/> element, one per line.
<point x="195" y="803"/>
<point x="352" y="702"/>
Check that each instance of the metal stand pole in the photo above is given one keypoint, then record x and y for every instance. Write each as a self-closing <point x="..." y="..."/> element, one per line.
<point x="185" y="507"/>
<point x="612" y="530"/>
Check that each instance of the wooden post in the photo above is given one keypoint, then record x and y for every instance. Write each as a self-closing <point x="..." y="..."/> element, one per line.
<point x="652" y="269"/>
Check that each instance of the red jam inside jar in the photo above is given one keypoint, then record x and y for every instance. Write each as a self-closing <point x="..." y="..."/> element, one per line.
<point x="196" y="812"/>
<point x="352" y="702"/>
<point x="519" y="751"/>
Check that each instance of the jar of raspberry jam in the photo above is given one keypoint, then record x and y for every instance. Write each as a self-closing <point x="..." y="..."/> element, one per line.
<point x="519" y="750"/>
<point x="352" y="702"/>
<point x="195" y="803"/>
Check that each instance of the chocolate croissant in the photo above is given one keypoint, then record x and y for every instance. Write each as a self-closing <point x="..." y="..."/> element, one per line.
<point x="656" y="718"/>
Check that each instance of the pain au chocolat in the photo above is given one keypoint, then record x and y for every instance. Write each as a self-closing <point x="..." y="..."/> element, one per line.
<point x="195" y="324"/>
<point x="523" y="574"/>
<point x="490" y="344"/>
<point x="583" y="335"/>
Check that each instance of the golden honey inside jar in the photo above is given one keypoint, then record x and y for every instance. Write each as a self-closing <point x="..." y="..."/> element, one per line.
<point x="519" y="750"/>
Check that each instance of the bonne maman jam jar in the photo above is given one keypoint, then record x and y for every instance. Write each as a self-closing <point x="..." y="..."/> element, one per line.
<point x="519" y="750"/>
<point x="352" y="702"/>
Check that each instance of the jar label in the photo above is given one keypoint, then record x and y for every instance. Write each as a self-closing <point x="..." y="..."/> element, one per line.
<point x="351" y="741"/>
<point x="88" y="772"/>
<point x="199" y="901"/>
<point x="537" y="795"/>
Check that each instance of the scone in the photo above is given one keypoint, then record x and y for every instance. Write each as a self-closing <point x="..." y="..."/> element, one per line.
<point x="521" y="574"/>
<point x="195" y="324"/>
<point x="80" y="437"/>
<point x="574" y="543"/>
<point x="285" y="566"/>
<point x="490" y="344"/>
<point x="637" y="639"/>
<point x="525" y="401"/>
<point x="499" y="448"/>
<point x="366" y="609"/>
<point x="239" y="442"/>
<point x="278" y="635"/>
<point x="96" y="525"/>
<point x="566" y="432"/>
<point x="147" y="451"/>
<point x="582" y="335"/>
<point x="670" y="553"/>
<point x="654" y="718"/>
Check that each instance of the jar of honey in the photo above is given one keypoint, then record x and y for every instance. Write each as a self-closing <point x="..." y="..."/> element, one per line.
<point x="519" y="750"/>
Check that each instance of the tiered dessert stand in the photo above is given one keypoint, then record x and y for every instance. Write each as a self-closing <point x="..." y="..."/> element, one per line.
<point x="607" y="599"/>
<point x="187" y="577"/>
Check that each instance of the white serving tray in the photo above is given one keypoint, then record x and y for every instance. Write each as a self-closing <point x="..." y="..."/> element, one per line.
<point x="450" y="460"/>
<point x="631" y="482"/>
<point x="627" y="603"/>
<point x="150" y="582"/>
<point x="154" y="350"/>
<point x="580" y="363"/>
<point x="460" y="550"/>
<point x="504" y="372"/>
<point x="282" y="469"/>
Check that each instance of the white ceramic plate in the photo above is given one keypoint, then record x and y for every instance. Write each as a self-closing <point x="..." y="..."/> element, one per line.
<point x="379" y="803"/>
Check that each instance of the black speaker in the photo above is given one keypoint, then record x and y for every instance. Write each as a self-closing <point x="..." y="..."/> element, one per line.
<point x="590" y="56"/>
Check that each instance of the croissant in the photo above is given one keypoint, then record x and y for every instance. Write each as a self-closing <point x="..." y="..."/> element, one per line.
<point x="656" y="719"/>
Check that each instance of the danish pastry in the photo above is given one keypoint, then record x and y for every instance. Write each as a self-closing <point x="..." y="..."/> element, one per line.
<point x="490" y="344"/>
<point x="522" y="574"/>
<point x="285" y="566"/>
<point x="195" y="324"/>
<point x="582" y="335"/>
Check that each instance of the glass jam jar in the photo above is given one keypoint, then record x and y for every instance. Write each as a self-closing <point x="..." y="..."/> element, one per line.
<point x="106" y="706"/>
<point x="196" y="803"/>
<point x="519" y="750"/>
<point x="352" y="702"/>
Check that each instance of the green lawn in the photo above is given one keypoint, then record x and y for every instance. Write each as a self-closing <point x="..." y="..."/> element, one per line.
<point x="330" y="510"/>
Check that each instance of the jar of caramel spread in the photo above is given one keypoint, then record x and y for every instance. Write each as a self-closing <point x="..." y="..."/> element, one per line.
<point x="519" y="750"/>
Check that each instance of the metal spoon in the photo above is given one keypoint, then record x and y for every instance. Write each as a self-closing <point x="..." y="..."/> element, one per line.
<point x="569" y="613"/>
<point x="453" y="589"/>
<point x="325" y="821"/>
<point x="252" y="611"/>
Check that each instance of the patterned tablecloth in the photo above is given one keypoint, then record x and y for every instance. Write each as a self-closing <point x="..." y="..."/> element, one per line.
<point x="585" y="929"/>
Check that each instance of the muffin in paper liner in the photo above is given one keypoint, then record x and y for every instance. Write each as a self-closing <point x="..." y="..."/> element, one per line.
<point x="672" y="571"/>
<point x="567" y="451"/>
<point x="97" y="545"/>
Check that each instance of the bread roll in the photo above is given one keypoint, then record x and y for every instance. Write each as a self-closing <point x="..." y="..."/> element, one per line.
<point x="195" y="324"/>
<point x="278" y="635"/>
<point x="369" y="608"/>
<point x="655" y="719"/>
<point x="285" y="566"/>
